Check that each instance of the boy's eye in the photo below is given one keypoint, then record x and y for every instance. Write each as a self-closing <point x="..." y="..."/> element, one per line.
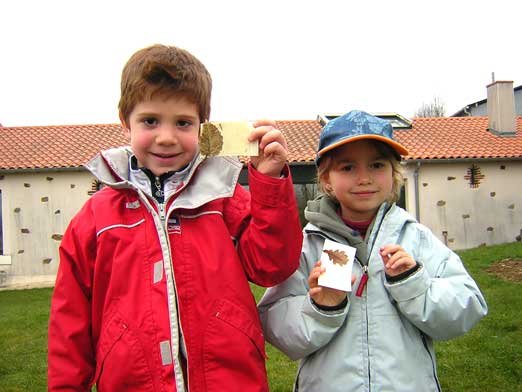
<point x="184" y="123"/>
<point x="150" y="121"/>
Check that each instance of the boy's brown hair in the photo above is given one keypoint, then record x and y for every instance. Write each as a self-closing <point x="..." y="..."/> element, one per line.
<point x="329" y="159"/>
<point x="161" y="69"/>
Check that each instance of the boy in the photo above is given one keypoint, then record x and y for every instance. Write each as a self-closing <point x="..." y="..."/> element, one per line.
<point x="152" y="291"/>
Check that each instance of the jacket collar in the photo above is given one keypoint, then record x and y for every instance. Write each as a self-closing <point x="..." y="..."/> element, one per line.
<point x="322" y="213"/>
<point x="159" y="188"/>
<point x="207" y="179"/>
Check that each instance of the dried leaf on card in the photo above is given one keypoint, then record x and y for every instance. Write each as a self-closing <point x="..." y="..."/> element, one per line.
<point x="210" y="140"/>
<point x="337" y="256"/>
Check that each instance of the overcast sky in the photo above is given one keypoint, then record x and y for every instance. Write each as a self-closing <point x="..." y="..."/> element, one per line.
<point x="61" y="60"/>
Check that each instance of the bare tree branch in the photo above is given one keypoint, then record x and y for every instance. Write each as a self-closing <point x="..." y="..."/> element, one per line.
<point x="436" y="108"/>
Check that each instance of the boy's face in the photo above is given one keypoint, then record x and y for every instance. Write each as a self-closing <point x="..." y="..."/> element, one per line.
<point x="163" y="133"/>
<point x="360" y="179"/>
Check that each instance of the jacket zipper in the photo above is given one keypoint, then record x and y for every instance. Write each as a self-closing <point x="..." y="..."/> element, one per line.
<point x="161" y="211"/>
<point x="358" y="293"/>
<point x="425" y="343"/>
<point x="181" y="335"/>
<point x="162" y="215"/>
<point x="360" y="290"/>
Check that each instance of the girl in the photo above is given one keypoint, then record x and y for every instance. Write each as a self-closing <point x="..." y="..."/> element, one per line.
<point x="410" y="289"/>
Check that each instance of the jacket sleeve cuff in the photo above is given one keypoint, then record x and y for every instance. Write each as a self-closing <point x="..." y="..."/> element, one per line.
<point x="324" y="308"/>
<point x="270" y="191"/>
<point x="411" y="287"/>
<point x="403" y="275"/>
<point x="329" y="318"/>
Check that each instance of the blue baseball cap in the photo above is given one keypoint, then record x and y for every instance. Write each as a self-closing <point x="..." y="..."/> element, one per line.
<point x="353" y="126"/>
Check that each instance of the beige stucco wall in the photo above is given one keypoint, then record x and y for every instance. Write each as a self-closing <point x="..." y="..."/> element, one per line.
<point x="489" y="214"/>
<point x="36" y="209"/>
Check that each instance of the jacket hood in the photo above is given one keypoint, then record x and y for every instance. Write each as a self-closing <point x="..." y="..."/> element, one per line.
<point x="321" y="213"/>
<point x="322" y="216"/>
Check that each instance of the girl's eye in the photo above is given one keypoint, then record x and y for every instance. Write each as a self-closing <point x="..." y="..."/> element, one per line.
<point x="378" y="165"/>
<point x="346" y="168"/>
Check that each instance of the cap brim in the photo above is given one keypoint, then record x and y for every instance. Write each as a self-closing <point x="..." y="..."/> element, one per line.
<point x="399" y="148"/>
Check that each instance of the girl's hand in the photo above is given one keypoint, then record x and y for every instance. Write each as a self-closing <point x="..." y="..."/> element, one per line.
<point x="324" y="296"/>
<point x="273" y="151"/>
<point x="396" y="260"/>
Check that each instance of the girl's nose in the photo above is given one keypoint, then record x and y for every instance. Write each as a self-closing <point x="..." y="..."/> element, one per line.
<point x="363" y="176"/>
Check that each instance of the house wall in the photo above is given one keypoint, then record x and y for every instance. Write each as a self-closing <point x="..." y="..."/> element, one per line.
<point x="36" y="209"/>
<point x="482" y="109"/>
<point x="488" y="214"/>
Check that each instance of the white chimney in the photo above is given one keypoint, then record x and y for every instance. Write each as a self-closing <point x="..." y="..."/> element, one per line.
<point x="501" y="108"/>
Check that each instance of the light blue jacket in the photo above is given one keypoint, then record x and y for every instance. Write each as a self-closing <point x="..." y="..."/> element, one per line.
<point x="381" y="341"/>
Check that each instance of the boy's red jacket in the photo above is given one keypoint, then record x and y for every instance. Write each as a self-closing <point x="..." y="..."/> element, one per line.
<point x="133" y="284"/>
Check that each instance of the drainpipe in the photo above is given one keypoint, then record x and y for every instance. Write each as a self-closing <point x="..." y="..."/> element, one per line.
<point x="416" y="185"/>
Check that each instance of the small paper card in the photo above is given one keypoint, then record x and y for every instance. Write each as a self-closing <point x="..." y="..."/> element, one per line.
<point x="338" y="261"/>
<point x="227" y="138"/>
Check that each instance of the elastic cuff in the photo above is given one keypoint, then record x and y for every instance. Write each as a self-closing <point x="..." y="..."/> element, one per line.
<point x="402" y="275"/>
<point x="325" y="308"/>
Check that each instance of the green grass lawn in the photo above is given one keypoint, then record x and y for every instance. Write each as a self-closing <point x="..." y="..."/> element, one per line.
<point x="23" y="340"/>
<point x="489" y="358"/>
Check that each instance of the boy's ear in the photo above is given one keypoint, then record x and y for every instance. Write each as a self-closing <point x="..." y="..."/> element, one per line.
<point x="126" y="130"/>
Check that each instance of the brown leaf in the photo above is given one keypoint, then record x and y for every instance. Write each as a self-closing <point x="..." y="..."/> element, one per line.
<point x="210" y="140"/>
<point x="337" y="256"/>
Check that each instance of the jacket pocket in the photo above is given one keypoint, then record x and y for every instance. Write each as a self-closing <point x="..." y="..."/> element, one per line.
<point x="234" y="350"/>
<point x="120" y="360"/>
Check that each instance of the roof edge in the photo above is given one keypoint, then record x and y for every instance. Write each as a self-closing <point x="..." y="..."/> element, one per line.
<point x="42" y="169"/>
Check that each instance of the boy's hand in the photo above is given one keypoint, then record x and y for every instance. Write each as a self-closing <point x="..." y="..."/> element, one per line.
<point x="272" y="148"/>
<point x="324" y="296"/>
<point x="396" y="260"/>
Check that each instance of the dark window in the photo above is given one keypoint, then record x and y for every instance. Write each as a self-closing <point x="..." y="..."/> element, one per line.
<point x="1" y="227"/>
<point x="402" y="198"/>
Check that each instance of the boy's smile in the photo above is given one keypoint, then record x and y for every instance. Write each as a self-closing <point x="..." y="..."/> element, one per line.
<point x="360" y="180"/>
<point x="163" y="133"/>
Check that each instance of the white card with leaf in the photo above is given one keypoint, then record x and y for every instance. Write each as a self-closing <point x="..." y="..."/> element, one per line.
<point x="227" y="138"/>
<point x="338" y="261"/>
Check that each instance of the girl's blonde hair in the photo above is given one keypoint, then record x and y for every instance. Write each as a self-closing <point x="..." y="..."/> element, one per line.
<point x="328" y="161"/>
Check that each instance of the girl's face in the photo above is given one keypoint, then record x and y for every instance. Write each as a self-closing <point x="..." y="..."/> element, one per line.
<point x="361" y="179"/>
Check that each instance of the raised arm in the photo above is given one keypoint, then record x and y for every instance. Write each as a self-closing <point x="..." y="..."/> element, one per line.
<point x="440" y="298"/>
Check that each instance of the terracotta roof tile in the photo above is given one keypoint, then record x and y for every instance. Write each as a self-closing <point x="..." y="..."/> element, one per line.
<point x="55" y="146"/>
<point x="458" y="138"/>
<point x="429" y="138"/>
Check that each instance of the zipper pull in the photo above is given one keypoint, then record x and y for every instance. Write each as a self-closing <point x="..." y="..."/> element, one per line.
<point x="159" y="188"/>
<point x="362" y="283"/>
